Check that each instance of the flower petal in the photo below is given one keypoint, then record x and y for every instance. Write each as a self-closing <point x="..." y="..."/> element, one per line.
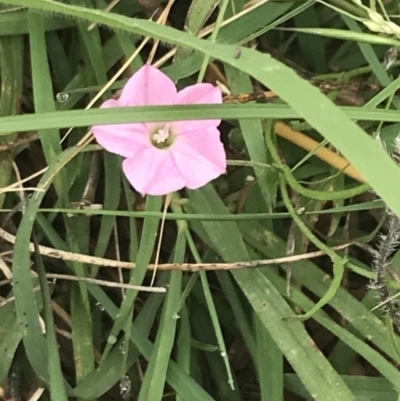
<point x="200" y="157"/>
<point x="110" y="103"/>
<point x="198" y="94"/>
<point x="122" y="139"/>
<point x="148" y="87"/>
<point x="153" y="172"/>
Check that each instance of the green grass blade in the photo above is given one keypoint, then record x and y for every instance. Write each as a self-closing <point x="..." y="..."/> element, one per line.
<point x="42" y="87"/>
<point x="81" y="118"/>
<point x="183" y="343"/>
<point x="10" y="336"/>
<point x="154" y="380"/>
<point x="270" y="365"/>
<point x="57" y="387"/>
<point x="11" y="66"/>
<point x="25" y="301"/>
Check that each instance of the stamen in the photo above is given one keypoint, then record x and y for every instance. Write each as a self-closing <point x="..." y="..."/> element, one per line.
<point x="162" y="134"/>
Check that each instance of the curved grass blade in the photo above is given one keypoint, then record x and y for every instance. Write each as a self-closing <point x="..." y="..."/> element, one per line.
<point x="25" y="300"/>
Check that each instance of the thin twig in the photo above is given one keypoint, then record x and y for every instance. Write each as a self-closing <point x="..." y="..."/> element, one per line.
<point x="5" y="269"/>
<point x="118" y="256"/>
<point x="152" y="8"/>
<point x="37" y="394"/>
<point x="160" y="236"/>
<point x="66" y="334"/>
<point x="89" y="192"/>
<point x="18" y="183"/>
<point x="103" y="283"/>
<point x="163" y="21"/>
<point x="106" y="283"/>
<point x="9" y="189"/>
<point x="61" y="313"/>
<point x="12" y="299"/>
<point x="18" y="142"/>
<point x="190" y="267"/>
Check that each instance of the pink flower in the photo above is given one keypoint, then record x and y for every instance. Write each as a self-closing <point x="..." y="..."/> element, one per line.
<point x="164" y="157"/>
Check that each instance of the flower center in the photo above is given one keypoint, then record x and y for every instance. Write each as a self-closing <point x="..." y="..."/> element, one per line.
<point x="162" y="138"/>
